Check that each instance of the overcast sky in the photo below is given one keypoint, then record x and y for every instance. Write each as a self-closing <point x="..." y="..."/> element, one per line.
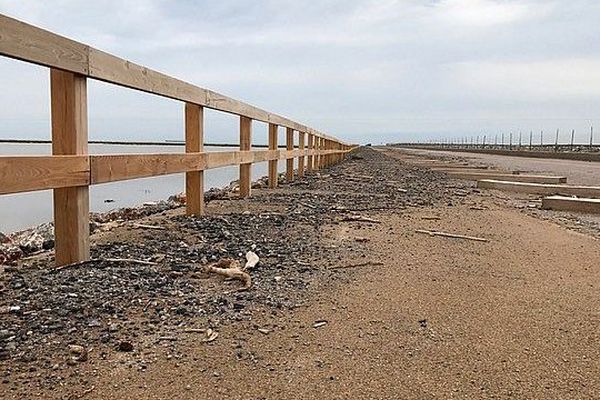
<point x="361" y="70"/>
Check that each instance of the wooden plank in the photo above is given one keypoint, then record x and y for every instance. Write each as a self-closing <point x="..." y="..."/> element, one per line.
<point x="540" y="188"/>
<point x="273" y="173"/>
<point x="194" y="143"/>
<point x="27" y="173"/>
<point x="68" y="101"/>
<point x="111" y="168"/>
<point x="109" y="68"/>
<point x="475" y="176"/>
<point x="301" y="138"/>
<point x="560" y="203"/>
<point x="246" y="168"/>
<point x="29" y="43"/>
<point x="289" y="142"/>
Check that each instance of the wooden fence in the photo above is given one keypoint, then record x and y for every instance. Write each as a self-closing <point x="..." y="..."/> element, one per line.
<point x="70" y="170"/>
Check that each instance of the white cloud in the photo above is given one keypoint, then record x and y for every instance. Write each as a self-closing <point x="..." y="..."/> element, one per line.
<point x="356" y="67"/>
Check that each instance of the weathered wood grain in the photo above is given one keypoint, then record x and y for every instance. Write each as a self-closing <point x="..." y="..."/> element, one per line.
<point x="27" y="173"/>
<point x="194" y="143"/>
<point x="246" y="166"/>
<point x="289" y="145"/>
<point x="273" y="137"/>
<point x="29" y="43"/>
<point x="68" y="103"/>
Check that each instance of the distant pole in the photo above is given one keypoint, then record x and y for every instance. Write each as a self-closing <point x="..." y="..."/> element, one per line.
<point x="510" y="141"/>
<point x="530" y="140"/>
<point x="502" y="144"/>
<point x="496" y="140"/>
<point x="556" y="141"/>
<point x="520" y="133"/>
<point x="484" y="137"/>
<point x="542" y="139"/>
<point x="477" y="140"/>
<point x="572" y="138"/>
<point x="591" y="137"/>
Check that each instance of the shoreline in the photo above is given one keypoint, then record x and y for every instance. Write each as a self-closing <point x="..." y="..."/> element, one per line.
<point x="35" y="240"/>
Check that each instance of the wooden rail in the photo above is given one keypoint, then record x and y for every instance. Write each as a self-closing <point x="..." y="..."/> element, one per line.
<point x="71" y="170"/>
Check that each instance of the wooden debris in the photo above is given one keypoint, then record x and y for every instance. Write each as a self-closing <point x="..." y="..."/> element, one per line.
<point x="129" y="260"/>
<point x="363" y="264"/>
<point x="319" y="323"/>
<point x="230" y="268"/>
<point x="307" y="205"/>
<point x="264" y="331"/>
<point x="477" y="208"/>
<point x="451" y="235"/>
<point x="430" y="217"/>
<point x="143" y="226"/>
<point x="360" y="218"/>
<point x="195" y="330"/>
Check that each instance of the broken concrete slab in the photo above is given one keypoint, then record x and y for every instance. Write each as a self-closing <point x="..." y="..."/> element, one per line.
<point x="562" y="203"/>
<point x="540" y="188"/>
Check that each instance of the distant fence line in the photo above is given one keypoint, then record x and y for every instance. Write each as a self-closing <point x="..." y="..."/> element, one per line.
<point x="530" y="141"/>
<point x="71" y="170"/>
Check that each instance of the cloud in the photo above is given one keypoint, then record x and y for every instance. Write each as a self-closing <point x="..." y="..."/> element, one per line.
<point x="358" y="68"/>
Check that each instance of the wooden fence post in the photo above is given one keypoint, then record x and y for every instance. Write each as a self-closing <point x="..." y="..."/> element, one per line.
<point x="273" y="136"/>
<point x="311" y="147"/>
<point x="301" y="136"/>
<point x="289" y="141"/>
<point x="68" y="104"/>
<point x="321" y="157"/>
<point x="194" y="143"/>
<point x="245" y="143"/>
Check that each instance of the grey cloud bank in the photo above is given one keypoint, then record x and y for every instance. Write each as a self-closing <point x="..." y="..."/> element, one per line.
<point x="368" y="71"/>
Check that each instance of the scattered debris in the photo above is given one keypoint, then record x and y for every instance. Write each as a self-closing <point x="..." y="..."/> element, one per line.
<point x="211" y="335"/>
<point x="451" y="235"/>
<point x="264" y="331"/>
<point x="143" y="226"/>
<point x="363" y="264"/>
<point x="230" y="268"/>
<point x="360" y="218"/>
<point x="319" y="323"/>
<point x="430" y="217"/>
<point x="251" y="260"/>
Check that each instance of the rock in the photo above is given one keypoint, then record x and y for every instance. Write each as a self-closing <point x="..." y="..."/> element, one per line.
<point x="125" y="346"/>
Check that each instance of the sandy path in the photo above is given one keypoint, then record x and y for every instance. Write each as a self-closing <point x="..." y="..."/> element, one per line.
<point x="517" y="317"/>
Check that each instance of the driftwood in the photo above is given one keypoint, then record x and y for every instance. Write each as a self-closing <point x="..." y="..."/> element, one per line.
<point x="144" y="226"/>
<point x="232" y="269"/>
<point x="129" y="260"/>
<point x="360" y="218"/>
<point x="364" y="264"/>
<point x="451" y="235"/>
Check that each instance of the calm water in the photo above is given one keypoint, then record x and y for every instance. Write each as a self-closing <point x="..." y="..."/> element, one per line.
<point x="18" y="211"/>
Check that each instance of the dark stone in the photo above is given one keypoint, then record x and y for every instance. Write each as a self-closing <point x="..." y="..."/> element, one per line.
<point x="125" y="346"/>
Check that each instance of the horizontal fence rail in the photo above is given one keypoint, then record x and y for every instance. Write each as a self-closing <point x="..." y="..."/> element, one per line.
<point x="71" y="170"/>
